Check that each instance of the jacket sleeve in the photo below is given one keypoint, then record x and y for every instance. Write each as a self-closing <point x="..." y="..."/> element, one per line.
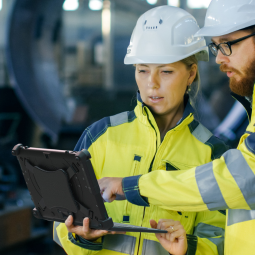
<point x="87" y="141"/>
<point x="208" y="235"/>
<point x="227" y="182"/>
<point x="72" y="244"/>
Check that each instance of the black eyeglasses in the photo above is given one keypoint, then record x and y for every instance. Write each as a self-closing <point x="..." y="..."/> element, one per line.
<point x="225" y="47"/>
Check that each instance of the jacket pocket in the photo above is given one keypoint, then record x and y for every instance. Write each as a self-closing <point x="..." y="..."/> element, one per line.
<point x="174" y="165"/>
<point x="169" y="165"/>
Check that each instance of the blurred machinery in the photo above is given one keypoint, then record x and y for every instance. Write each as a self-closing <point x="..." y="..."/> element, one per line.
<point x="33" y="32"/>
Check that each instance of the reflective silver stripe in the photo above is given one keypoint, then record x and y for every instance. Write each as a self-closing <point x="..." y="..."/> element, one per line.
<point x="55" y="234"/>
<point x="152" y="248"/>
<point x="209" y="188"/>
<point x="210" y="232"/>
<point x="202" y="133"/>
<point x="242" y="174"/>
<point x="120" y="243"/>
<point x="119" y="119"/>
<point x="240" y="215"/>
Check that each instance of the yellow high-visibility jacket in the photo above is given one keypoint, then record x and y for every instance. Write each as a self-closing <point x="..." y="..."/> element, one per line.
<point x="129" y="144"/>
<point x="225" y="183"/>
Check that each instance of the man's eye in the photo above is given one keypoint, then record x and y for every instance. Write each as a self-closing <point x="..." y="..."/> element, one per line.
<point x="224" y="46"/>
<point x="168" y="72"/>
<point x="141" y="71"/>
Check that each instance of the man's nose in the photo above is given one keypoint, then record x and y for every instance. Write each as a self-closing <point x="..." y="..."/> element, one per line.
<point x="221" y="58"/>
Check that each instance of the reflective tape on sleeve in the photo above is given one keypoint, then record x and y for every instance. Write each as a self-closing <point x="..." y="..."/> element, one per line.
<point x="243" y="175"/>
<point x="209" y="188"/>
<point x="55" y="234"/>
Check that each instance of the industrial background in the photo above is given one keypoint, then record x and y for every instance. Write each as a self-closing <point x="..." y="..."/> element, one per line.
<point x="61" y="69"/>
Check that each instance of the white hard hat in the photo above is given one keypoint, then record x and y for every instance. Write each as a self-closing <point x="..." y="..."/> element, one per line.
<point x="226" y="16"/>
<point x="165" y="35"/>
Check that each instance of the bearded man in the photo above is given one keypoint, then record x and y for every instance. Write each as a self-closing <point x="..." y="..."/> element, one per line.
<point x="227" y="183"/>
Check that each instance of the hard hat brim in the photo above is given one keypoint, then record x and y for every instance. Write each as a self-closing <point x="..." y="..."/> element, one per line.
<point x="222" y="30"/>
<point x="201" y="55"/>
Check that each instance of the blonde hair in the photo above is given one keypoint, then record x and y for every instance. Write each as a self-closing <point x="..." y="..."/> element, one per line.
<point x="194" y="87"/>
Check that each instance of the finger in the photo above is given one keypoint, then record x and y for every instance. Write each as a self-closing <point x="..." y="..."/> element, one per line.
<point x="170" y="221"/>
<point x="99" y="233"/>
<point x="92" y="232"/>
<point x="69" y="221"/>
<point x="164" y="224"/>
<point x="116" y="232"/>
<point x="103" y="186"/>
<point x="153" y="223"/>
<point x="177" y="223"/>
<point x="101" y="183"/>
<point x="85" y="227"/>
<point x="173" y="228"/>
<point x="102" y="192"/>
<point x="170" y="226"/>
<point x="108" y="196"/>
<point x="179" y="234"/>
<point x="161" y="225"/>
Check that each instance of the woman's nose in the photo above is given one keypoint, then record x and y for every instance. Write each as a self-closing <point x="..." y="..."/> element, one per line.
<point x="153" y="81"/>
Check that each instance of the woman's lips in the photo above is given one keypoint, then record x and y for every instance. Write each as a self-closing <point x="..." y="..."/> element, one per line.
<point x="155" y="99"/>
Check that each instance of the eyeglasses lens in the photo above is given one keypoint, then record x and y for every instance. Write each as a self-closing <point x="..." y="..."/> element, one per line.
<point x="225" y="49"/>
<point x="213" y="49"/>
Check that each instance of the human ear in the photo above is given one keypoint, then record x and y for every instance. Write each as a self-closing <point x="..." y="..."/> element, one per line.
<point x="192" y="73"/>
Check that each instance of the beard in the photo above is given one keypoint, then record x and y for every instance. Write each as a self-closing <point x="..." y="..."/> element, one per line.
<point x="244" y="86"/>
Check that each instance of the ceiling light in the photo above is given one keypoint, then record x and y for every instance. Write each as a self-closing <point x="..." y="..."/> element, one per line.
<point x="197" y="4"/>
<point x="152" y="2"/>
<point x="71" y="5"/>
<point x="95" y="5"/>
<point x="175" y="3"/>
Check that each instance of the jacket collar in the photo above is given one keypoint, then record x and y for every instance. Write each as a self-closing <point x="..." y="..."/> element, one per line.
<point x="139" y="98"/>
<point x="246" y="104"/>
<point x="187" y="111"/>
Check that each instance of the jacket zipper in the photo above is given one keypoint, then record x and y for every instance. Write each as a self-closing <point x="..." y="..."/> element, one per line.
<point x="129" y="205"/>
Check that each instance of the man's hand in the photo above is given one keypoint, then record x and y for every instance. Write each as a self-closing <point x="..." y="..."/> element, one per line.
<point x="86" y="232"/>
<point x="175" y="241"/>
<point x="111" y="189"/>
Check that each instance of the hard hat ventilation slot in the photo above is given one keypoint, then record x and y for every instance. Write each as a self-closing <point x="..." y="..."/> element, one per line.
<point x="152" y="27"/>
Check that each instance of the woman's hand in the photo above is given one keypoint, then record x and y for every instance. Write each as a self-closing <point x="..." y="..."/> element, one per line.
<point x="175" y="241"/>
<point x="86" y="232"/>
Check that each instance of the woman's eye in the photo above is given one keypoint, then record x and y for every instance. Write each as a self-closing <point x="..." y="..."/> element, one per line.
<point x="141" y="71"/>
<point x="168" y="72"/>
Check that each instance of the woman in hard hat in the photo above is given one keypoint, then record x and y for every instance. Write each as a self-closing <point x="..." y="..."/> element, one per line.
<point x="161" y="133"/>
